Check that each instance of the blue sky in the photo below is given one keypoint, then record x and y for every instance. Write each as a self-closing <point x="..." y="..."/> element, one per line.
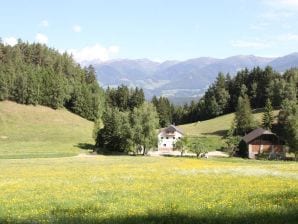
<point x="155" y="29"/>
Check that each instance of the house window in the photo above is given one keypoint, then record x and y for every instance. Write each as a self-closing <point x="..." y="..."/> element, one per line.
<point x="174" y="137"/>
<point x="167" y="137"/>
<point x="161" y="138"/>
<point x="164" y="145"/>
<point x="179" y="137"/>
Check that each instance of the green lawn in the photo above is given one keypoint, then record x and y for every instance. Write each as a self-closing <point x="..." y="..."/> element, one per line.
<point x="128" y="189"/>
<point x="215" y="129"/>
<point x="37" y="131"/>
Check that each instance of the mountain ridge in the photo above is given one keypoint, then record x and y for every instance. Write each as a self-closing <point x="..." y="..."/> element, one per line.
<point x="182" y="79"/>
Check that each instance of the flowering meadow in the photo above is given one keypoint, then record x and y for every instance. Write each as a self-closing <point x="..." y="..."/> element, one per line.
<point x="127" y="189"/>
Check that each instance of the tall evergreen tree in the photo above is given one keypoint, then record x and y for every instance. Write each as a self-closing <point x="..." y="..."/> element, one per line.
<point x="244" y="121"/>
<point x="268" y="118"/>
<point x="222" y="95"/>
<point x="164" y="110"/>
<point x="288" y="124"/>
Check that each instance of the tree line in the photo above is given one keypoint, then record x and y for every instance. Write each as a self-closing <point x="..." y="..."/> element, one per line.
<point x="248" y="90"/>
<point x="222" y="96"/>
<point x="38" y="75"/>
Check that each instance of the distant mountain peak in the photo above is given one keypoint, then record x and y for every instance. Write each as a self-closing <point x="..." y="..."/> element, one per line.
<point x="182" y="79"/>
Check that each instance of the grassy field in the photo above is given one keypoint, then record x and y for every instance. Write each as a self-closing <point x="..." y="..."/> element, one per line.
<point x="127" y="189"/>
<point x="37" y="131"/>
<point x="130" y="189"/>
<point x="215" y="129"/>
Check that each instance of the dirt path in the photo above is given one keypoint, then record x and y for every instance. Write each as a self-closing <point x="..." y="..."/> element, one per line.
<point x="84" y="155"/>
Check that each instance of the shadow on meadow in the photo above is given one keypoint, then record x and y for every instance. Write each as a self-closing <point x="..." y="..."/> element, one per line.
<point x="65" y="216"/>
<point x="219" y="133"/>
<point x="85" y="146"/>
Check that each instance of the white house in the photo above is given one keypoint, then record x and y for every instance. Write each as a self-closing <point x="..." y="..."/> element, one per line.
<point x="167" y="138"/>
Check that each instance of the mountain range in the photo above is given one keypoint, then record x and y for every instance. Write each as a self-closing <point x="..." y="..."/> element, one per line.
<point x="181" y="81"/>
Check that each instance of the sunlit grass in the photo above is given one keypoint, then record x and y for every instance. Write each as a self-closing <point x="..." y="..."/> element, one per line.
<point x="216" y="128"/>
<point x="37" y="131"/>
<point x="123" y="189"/>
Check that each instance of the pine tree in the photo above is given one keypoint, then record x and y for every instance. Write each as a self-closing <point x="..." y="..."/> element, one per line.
<point x="222" y="95"/>
<point x="4" y="87"/>
<point x="244" y="121"/>
<point x="268" y="118"/>
<point x="164" y="110"/>
<point x="288" y="124"/>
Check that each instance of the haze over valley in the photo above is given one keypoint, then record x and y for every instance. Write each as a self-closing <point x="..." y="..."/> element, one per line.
<point x="181" y="81"/>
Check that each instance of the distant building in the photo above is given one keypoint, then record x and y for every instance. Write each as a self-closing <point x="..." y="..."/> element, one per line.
<point x="260" y="141"/>
<point x="167" y="138"/>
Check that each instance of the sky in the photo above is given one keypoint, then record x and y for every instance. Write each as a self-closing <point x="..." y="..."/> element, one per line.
<point x="101" y="30"/>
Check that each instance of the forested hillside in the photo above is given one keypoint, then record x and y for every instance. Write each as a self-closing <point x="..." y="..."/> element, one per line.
<point x="222" y="96"/>
<point x="36" y="74"/>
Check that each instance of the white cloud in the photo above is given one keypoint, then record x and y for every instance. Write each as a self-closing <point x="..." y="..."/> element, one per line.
<point x="10" y="41"/>
<point x="285" y="4"/>
<point x="276" y="15"/>
<point x="288" y="37"/>
<point x="113" y="49"/>
<point x="44" y="23"/>
<point x="77" y="28"/>
<point x="279" y="12"/>
<point x="94" y="53"/>
<point x="277" y="40"/>
<point x="41" y="38"/>
<point x="250" y="44"/>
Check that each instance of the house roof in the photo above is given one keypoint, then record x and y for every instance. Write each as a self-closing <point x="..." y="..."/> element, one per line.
<point x="256" y="133"/>
<point x="171" y="128"/>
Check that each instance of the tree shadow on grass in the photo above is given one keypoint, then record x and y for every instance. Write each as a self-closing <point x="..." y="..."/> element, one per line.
<point x="220" y="133"/>
<point x="85" y="146"/>
<point x="85" y="216"/>
<point x="99" y="151"/>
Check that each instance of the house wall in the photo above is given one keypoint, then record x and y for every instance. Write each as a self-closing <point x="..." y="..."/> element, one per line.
<point x="258" y="146"/>
<point x="166" y="140"/>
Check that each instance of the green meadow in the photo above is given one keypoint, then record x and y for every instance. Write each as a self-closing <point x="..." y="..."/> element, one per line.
<point x="128" y="189"/>
<point x="215" y="129"/>
<point x="46" y="176"/>
<point x="38" y="131"/>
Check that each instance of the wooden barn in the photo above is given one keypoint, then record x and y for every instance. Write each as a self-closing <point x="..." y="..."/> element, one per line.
<point x="260" y="141"/>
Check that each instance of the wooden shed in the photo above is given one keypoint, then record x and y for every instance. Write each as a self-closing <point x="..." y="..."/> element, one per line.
<point x="260" y="141"/>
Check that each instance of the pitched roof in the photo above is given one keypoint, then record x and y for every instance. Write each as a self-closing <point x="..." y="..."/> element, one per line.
<point x="171" y="128"/>
<point x="256" y="133"/>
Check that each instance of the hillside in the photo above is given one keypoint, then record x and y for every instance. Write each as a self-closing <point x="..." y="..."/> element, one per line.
<point x="214" y="129"/>
<point x="38" y="131"/>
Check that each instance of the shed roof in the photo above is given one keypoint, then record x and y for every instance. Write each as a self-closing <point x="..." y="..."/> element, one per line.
<point x="256" y="133"/>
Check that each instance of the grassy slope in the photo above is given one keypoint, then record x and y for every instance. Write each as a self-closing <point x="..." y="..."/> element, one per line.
<point x="214" y="129"/>
<point x="37" y="131"/>
<point x="129" y="189"/>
